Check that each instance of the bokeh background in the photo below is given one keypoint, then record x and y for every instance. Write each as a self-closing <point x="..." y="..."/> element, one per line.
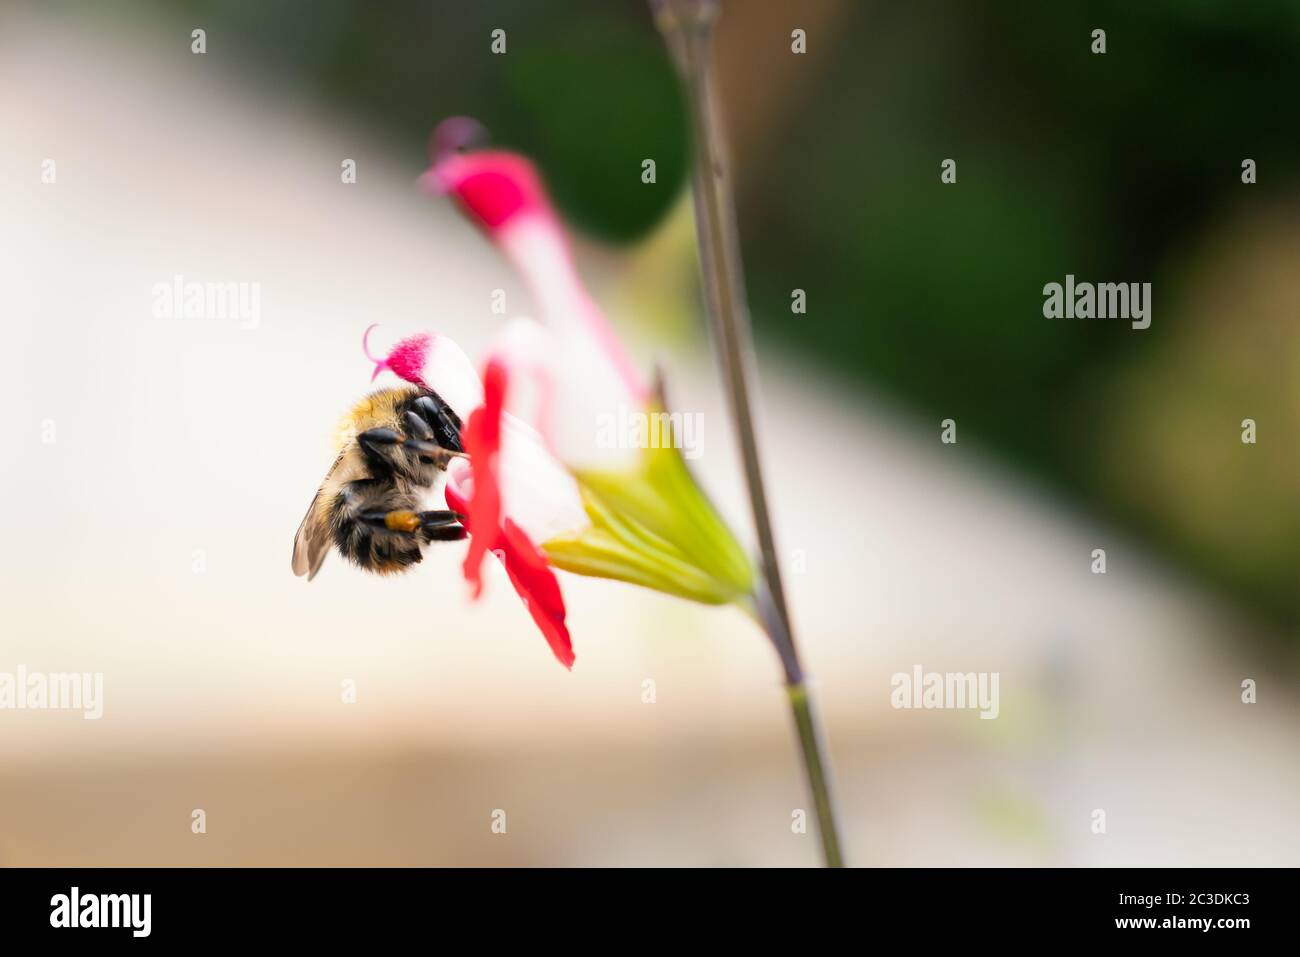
<point x="148" y="532"/>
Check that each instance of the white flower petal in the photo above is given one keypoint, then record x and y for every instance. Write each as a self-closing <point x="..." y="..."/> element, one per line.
<point x="449" y="372"/>
<point x="569" y="389"/>
<point x="537" y="492"/>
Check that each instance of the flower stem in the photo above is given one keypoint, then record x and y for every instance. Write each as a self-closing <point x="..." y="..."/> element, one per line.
<point x="687" y="26"/>
<point x="818" y="781"/>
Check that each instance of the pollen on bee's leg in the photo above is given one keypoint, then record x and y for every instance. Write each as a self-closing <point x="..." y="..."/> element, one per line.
<point x="402" y="521"/>
<point x="399" y="520"/>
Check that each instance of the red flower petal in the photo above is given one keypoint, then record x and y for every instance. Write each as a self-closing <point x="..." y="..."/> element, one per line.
<point x="524" y="562"/>
<point x="538" y="587"/>
<point x="482" y="440"/>
<point x="455" y="500"/>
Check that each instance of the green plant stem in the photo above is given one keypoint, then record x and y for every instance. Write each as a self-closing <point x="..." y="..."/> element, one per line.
<point x="818" y="782"/>
<point x="687" y="26"/>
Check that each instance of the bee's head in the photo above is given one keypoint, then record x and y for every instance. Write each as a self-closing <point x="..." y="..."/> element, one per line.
<point x="395" y="438"/>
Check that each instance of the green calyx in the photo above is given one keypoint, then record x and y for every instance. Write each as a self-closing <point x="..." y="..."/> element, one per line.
<point x="651" y="525"/>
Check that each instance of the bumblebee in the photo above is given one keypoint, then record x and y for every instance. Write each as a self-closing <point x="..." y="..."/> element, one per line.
<point x="372" y="504"/>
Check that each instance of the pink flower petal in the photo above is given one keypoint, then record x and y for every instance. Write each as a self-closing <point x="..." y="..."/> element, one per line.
<point x="492" y="187"/>
<point x="406" y="359"/>
<point x="432" y="362"/>
<point x="503" y="194"/>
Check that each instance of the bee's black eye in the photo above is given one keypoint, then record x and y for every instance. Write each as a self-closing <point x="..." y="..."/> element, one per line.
<point x="443" y="421"/>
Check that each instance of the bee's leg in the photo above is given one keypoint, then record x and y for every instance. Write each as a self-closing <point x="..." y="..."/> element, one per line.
<point x="446" y="528"/>
<point x="378" y="444"/>
<point x="439" y="525"/>
<point x="445" y="423"/>
<point x="418" y="427"/>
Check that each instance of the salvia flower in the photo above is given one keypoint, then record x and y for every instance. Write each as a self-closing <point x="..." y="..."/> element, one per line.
<point x="538" y="490"/>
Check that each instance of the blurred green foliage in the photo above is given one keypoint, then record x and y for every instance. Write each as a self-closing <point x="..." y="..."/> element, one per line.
<point x="1110" y="167"/>
<point x="1068" y="162"/>
<point x="584" y="86"/>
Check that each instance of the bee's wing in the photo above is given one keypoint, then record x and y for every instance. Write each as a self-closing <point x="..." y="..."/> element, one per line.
<point x="312" y="542"/>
